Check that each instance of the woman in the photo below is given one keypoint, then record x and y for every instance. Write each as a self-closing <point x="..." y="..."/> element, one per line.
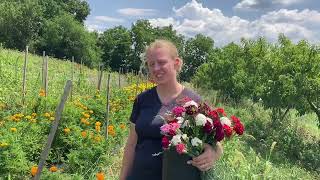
<point x="144" y="137"/>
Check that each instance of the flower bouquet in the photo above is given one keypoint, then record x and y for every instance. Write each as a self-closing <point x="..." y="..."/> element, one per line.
<point x="188" y="127"/>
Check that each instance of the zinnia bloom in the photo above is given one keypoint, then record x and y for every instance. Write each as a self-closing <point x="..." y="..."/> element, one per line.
<point x="227" y="130"/>
<point x="180" y="148"/>
<point x="239" y="128"/>
<point x="165" y="142"/>
<point x="177" y="111"/>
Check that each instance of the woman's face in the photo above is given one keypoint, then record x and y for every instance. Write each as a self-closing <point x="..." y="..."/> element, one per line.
<point x="161" y="65"/>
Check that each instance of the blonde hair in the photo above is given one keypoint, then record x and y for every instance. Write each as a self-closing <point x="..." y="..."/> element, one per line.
<point x="162" y="43"/>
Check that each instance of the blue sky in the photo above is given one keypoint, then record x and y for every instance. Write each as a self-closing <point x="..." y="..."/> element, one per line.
<point x="223" y="20"/>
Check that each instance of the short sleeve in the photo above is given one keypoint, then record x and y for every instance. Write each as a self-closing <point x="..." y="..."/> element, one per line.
<point x="135" y="111"/>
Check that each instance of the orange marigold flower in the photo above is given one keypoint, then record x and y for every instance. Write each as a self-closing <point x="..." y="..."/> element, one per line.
<point x="86" y="115"/>
<point x="110" y="128"/>
<point x="100" y="176"/>
<point x="53" y="169"/>
<point x="42" y="93"/>
<point x="34" y="170"/>
<point x="122" y="126"/>
<point x="66" y="130"/>
<point x="84" y="134"/>
<point x="112" y="133"/>
<point x="98" y="128"/>
<point x="98" y="123"/>
<point x="91" y="112"/>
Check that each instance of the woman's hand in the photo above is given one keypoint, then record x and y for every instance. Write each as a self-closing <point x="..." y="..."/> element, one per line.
<point x="207" y="159"/>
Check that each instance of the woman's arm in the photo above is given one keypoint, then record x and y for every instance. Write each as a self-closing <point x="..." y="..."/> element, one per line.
<point x="207" y="159"/>
<point x="128" y="154"/>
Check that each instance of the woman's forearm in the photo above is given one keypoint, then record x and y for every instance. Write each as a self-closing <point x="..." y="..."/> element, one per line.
<point x="127" y="161"/>
<point x="128" y="155"/>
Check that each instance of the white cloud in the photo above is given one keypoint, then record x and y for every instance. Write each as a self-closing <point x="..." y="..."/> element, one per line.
<point x="100" y="23"/>
<point x="108" y="19"/>
<point x="263" y="4"/>
<point x="137" y="12"/>
<point x="193" y="18"/>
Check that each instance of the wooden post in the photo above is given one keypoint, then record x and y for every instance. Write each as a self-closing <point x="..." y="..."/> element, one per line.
<point x="80" y="74"/>
<point x="53" y="129"/>
<point x="45" y="85"/>
<point x="24" y="76"/>
<point x="100" y="77"/>
<point x="0" y="59"/>
<point x="43" y="60"/>
<point x="119" y="77"/>
<point x="107" y="108"/>
<point x="72" y="71"/>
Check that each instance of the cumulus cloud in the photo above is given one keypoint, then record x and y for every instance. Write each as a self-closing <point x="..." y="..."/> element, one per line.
<point x="193" y="18"/>
<point x="137" y="12"/>
<point x="263" y="4"/>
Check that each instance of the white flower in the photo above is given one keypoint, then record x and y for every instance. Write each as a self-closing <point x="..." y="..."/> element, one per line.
<point x="210" y="120"/>
<point x="176" y="139"/>
<point x="190" y="103"/>
<point x="225" y="121"/>
<point x="196" y="141"/>
<point x="200" y="119"/>
<point x="180" y="121"/>
<point x="185" y="137"/>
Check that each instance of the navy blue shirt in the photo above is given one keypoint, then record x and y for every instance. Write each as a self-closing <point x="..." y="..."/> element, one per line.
<point x="146" y="115"/>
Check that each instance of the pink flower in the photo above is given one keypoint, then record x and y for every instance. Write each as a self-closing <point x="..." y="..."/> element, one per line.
<point x="180" y="148"/>
<point x="177" y="111"/>
<point x="165" y="142"/>
<point x="170" y="128"/>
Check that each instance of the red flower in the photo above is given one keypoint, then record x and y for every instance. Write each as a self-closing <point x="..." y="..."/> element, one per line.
<point x="227" y="130"/>
<point x="165" y="142"/>
<point x="235" y="119"/>
<point x="208" y="128"/>
<point x="219" y="131"/>
<point x="221" y="111"/>
<point x="214" y="115"/>
<point x="239" y="128"/>
<point x="180" y="148"/>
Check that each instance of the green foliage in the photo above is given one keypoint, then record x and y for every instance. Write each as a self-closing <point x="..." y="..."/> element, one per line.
<point x="196" y="52"/>
<point x="64" y="37"/>
<point x="116" y="46"/>
<point x="20" y="23"/>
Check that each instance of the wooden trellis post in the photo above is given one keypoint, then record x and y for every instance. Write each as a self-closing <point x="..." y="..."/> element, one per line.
<point x="45" y="84"/>
<point x="24" y="76"/>
<point x="53" y="129"/>
<point x="100" y="77"/>
<point x="107" y="108"/>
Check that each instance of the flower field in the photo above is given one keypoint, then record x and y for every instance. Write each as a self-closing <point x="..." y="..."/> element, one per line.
<point x="80" y="149"/>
